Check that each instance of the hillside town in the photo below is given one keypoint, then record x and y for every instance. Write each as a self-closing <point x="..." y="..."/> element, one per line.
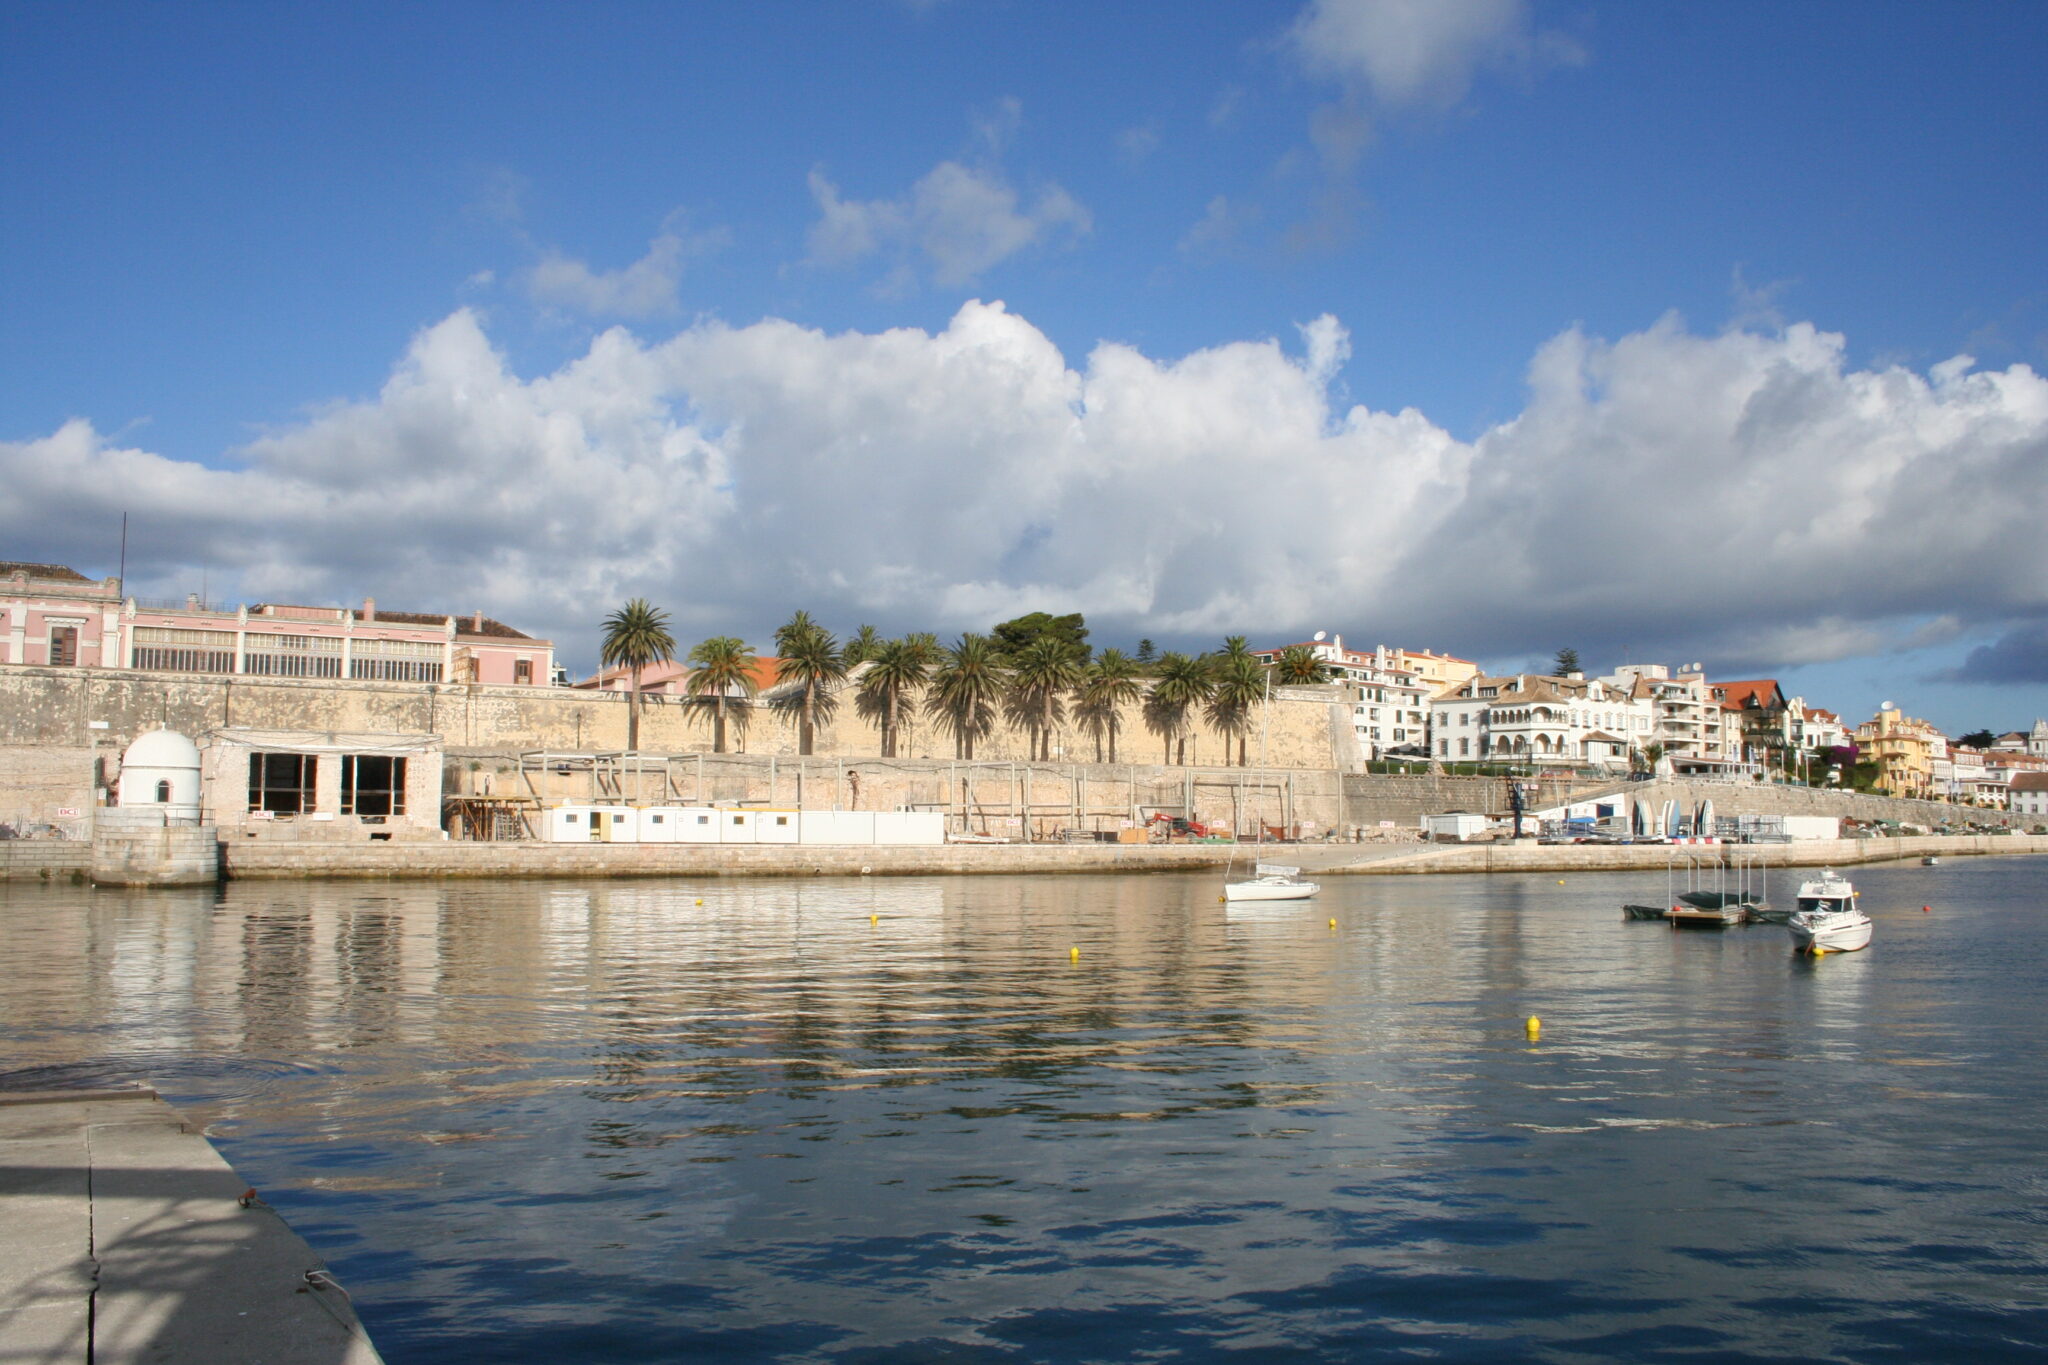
<point x="1409" y="710"/>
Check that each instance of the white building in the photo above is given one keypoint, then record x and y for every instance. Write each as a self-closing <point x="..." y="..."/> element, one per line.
<point x="1539" y="719"/>
<point x="1389" y="700"/>
<point x="2030" y="793"/>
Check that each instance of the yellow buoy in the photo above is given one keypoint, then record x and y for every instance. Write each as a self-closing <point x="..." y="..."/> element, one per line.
<point x="1333" y="924"/>
<point x="1820" y="952"/>
<point x="874" y="920"/>
<point x="1221" y="899"/>
<point x="1560" y="881"/>
<point x="1534" y="1028"/>
<point x="700" y="900"/>
<point x="1073" y="954"/>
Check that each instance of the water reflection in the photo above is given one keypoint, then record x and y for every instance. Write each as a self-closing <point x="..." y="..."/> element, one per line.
<point x="843" y="1118"/>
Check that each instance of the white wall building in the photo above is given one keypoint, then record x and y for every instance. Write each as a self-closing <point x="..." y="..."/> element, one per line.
<point x="1389" y="700"/>
<point x="1539" y="719"/>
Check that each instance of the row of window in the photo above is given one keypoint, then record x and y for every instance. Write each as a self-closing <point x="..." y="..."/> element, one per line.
<point x="283" y="784"/>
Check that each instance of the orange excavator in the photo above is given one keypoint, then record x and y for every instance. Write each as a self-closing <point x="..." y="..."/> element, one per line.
<point x="1177" y="828"/>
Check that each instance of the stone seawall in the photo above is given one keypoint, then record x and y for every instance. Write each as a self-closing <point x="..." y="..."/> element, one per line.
<point x="44" y="860"/>
<point x="278" y="860"/>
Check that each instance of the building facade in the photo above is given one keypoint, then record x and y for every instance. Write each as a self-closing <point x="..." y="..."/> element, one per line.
<point x="57" y="617"/>
<point x="1389" y="701"/>
<point x="1542" y="720"/>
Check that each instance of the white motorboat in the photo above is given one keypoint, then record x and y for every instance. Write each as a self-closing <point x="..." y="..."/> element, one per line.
<point x="1826" y="918"/>
<point x="1271" y="882"/>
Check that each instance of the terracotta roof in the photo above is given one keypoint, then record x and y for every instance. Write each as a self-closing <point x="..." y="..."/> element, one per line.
<point x="766" y="672"/>
<point x="1760" y="692"/>
<point x="2030" y="782"/>
<point x="56" y="571"/>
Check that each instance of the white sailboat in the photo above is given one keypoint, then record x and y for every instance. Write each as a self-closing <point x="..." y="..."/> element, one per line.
<point x="1827" y="920"/>
<point x="1269" y="881"/>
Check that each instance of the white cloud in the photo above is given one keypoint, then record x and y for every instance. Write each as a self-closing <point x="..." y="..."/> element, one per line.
<point x="1747" y="497"/>
<point x="957" y="221"/>
<point x="646" y="288"/>
<point x="1409" y="52"/>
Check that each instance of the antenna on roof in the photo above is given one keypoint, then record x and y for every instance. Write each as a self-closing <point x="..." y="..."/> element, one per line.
<point x="122" y="589"/>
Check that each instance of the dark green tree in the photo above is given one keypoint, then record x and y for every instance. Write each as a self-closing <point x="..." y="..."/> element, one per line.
<point x="1147" y="652"/>
<point x="635" y="636"/>
<point x="1013" y="637"/>
<point x="861" y="645"/>
<point x="1978" y="739"/>
<point x="1566" y="664"/>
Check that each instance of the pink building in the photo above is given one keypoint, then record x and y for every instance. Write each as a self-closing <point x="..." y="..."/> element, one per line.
<point x="57" y="617"/>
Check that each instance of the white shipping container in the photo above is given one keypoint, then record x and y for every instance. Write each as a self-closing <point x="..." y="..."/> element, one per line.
<point x="1813" y="826"/>
<point x="777" y="827"/>
<point x="827" y="827"/>
<point x="924" y="827"/>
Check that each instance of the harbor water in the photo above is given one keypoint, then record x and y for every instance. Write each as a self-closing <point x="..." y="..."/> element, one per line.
<point x="1096" y="1118"/>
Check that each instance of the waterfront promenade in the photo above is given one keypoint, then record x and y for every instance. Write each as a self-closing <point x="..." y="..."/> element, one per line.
<point x="52" y="861"/>
<point x="128" y="1241"/>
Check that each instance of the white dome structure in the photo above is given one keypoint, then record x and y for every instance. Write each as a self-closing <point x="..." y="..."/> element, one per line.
<point x="160" y="774"/>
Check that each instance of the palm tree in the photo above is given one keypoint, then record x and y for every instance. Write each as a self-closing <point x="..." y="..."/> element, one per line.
<point x="861" y="645"/>
<point x="1240" y="683"/>
<point x="896" y="669"/>
<point x="810" y="659"/>
<point x="720" y="667"/>
<point x="965" y="688"/>
<point x="795" y="628"/>
<point x="1183" y="685"/>
<point x="1110" y="684"/>
<point x="635" y="636"/>
<point x="1044" y="669"/>
<point x="1299" y="664"/>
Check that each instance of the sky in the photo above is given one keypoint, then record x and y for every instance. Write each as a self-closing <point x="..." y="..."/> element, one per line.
<point x="1667" y="333"/>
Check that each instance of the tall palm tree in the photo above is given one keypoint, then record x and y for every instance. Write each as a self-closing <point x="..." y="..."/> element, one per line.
<point x="1240" y="684"/>
<point x="965" y="687"/>
<point x="811" y="659"/>
<point x="635" y="636"/>
<point x="896" y="669"/>
<point x="1044" y="671"/>
<point x="721" y="667"/>
<point x="1184" y="684"/>
<point x="1111" y="684"/>
<point x="861" y="645"/>
<point x="799" y="624"/>
<point x="1299" y="664"/>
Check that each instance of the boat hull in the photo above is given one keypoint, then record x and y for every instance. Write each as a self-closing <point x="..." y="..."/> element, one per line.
<point x="1642" y="912"/>
<point x="1270" y="891"/>
<point x="1836" y="933"/>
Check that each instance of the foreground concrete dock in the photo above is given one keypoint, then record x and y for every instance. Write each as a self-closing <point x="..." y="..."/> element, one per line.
<point x="126" y="1240"/>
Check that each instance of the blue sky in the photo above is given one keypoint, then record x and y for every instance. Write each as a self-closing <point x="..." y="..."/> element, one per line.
<point x="1471" y="325"/>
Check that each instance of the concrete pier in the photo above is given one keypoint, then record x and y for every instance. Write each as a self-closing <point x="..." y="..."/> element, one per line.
<point x="127" y="1241"/>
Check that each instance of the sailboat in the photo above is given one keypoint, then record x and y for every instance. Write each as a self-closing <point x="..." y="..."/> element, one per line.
<point x="1269" y="881"/>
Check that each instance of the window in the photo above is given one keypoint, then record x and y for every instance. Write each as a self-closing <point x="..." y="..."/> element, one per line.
<point x="292" y="656"/>
<point x="522" y="670"/>
<point x="395" y="660"/>
<point x="569" y="817"/>
<point x="281" y="783"/>
<point x="703" y="819"/>
<point x="163" y="793"/>
<point x="782" y="819"/>
<point x="63" y="646"/>
<point x="656" y="820"/>
<point x="372" y="784"/>
<point x="1464" y="747"/>
<point x="184" y="651"/>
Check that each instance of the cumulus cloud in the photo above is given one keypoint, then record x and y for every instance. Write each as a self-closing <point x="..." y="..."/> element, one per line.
<point x="1411" y="52"/>
<point x="646" y="288"/>
<point x="1748" y="497"/>
<point x="2018" y="656"/>
<point x="958" y="222"/>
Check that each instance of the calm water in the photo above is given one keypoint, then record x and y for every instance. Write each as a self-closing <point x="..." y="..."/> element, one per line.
<point x="739" y="1121"/>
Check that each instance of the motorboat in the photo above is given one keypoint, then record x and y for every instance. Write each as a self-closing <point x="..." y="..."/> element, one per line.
<point x="1826" y="919"/>
<point x="1271" y="882"/>
<point x="1643" y="911"/>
